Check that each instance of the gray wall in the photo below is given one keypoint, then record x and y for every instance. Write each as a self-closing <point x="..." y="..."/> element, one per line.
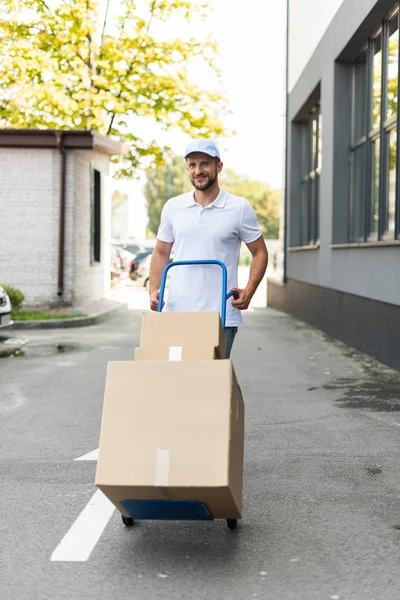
<point x="372" y="272"/>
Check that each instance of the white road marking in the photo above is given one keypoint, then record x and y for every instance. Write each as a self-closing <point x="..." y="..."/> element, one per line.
<point x="90" y="455"/>
<point x="79" y="542"/>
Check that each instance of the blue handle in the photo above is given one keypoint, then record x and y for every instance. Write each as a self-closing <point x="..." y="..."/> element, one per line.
<point x="225" y="296"/>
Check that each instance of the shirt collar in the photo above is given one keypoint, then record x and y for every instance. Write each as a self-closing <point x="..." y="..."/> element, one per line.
<point x="219" y="201"/>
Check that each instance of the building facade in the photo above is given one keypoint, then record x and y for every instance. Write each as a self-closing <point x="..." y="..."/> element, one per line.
<point x="55" y="214"/>
<point x="342" y="217"/>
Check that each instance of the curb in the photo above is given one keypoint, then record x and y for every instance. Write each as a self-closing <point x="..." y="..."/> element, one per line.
<point x="69" y="323"/>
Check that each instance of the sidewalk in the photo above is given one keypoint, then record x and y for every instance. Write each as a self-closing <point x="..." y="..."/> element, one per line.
<point x="93" y="313"/>
<point x="322" y="476"/>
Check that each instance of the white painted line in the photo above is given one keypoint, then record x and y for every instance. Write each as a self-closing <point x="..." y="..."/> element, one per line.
<point x="82" y="537"/>
<point x="94" y="455"/>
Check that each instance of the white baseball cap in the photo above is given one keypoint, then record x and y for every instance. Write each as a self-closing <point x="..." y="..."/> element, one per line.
<point x="204" y="146"/>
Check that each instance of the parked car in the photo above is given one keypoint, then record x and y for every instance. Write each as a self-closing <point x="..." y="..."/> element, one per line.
<point x="136" y="262"/>
<point x="5" y="309"/>
<point x="136" y="246"/>
<point x="133" y="248"/>
<point x="115" y="266"/>
<point x="125" y="256"/>
<point x="143" y="271"/>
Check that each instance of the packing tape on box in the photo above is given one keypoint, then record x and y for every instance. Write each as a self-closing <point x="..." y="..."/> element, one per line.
<point x="175" y="353"/>
<point x="162" y="468"/>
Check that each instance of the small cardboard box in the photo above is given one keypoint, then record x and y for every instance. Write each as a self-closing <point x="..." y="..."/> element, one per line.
<point x="176" y="353"/>
<point x="173" y="431"/>
<point x="165" y="329"/>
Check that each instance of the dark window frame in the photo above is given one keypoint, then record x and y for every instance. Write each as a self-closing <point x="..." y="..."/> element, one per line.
<point x="95" y="215"/>
<point x="369" y="137"/>
<point x="310" y="177"/>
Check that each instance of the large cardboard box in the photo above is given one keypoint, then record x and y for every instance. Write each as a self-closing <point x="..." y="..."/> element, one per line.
<point x="176" y="353"/>
<point x="173" y="431"/>
<point x="165" y="329"/>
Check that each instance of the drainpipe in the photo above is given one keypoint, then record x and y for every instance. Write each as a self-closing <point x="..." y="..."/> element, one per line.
<point x="286" y="193"/>
<point x="61" y="230"/>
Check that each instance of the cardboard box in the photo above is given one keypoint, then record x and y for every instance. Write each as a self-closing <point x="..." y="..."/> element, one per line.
<point x="176" y="353"/>
<point x="173" y="431"/>
<point x="165" y="329"/>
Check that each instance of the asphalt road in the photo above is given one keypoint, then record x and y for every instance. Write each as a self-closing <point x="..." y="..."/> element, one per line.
<point x="322" y="473"/>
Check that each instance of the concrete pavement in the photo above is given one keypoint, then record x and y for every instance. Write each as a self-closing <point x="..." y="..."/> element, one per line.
<point x="322" y="472"/>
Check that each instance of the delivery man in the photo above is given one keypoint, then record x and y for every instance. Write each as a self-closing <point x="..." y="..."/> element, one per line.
<point x="208" y="223"/>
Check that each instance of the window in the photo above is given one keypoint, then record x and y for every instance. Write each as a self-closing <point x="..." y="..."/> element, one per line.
<point x="374" y="196"/>
<point x="96" y="217"/>
<point x="310" y="151"/>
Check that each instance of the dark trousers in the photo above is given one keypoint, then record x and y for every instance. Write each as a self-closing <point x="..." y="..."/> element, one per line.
<point x="230" y="333"/>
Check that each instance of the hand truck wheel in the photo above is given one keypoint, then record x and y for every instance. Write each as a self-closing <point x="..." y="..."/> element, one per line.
<point x="128" y="521"/>
<point x="232" y="523"/>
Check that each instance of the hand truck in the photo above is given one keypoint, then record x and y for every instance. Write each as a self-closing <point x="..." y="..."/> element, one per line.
<point x="179" y="510"/>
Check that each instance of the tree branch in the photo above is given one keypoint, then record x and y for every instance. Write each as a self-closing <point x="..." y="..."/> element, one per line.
<point x="104" y="28"/>
<point x="86" y="63"/>
<point x="91" y="66"/>
<point x="129" y="71"/>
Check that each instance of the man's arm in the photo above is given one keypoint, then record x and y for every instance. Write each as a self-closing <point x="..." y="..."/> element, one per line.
<point x="258" y="267"/>
<point x="159" y="261"/>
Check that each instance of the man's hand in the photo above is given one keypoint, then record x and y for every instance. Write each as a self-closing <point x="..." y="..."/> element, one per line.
<point x="242" y="298"/>
<point x="154" y="298"/>
<point x="159" y="261"/>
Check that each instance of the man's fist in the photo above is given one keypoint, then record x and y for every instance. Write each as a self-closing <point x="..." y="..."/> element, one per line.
<point x="242" y="298"/>
<point x="154" y="298"/>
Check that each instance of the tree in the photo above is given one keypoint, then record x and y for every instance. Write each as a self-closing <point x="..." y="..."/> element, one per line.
<point x="263" y="199"/>
<point x="64" y="65"/>
<point x="163" y="183"/>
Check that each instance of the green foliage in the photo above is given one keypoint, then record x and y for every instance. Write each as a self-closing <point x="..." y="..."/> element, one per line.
<point x="16" y="297"/>
<point x="64" y="65"/>
<point x="37" y="315"/>
<point x="163" y="183"/>
<point x="263" y="199"/>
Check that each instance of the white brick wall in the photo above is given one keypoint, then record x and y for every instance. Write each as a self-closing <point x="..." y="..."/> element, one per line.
<point x="29" y="225"/>
<point x="28" y="215"/>
<point x="88" y="279"/>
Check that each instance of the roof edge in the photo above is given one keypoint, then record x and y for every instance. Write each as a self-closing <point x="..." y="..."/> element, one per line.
<point x="73" y="139"/>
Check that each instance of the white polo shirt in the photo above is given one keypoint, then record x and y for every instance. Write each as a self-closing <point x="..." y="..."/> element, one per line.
<point x="214" y="232"/>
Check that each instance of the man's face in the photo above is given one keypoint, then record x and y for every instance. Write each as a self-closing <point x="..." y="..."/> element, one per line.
<point x="203" y="170"/>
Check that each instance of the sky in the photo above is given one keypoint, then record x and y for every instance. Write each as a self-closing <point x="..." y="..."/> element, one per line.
<point x="251" y="38"/>
<point x="252" y="35"/>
